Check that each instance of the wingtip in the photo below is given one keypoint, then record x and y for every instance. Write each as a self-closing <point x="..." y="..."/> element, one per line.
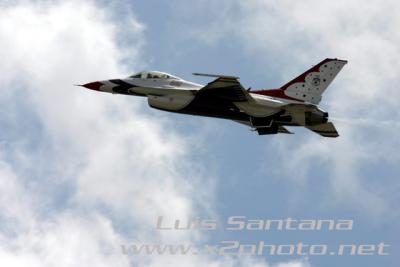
<point x="215" y="75"/>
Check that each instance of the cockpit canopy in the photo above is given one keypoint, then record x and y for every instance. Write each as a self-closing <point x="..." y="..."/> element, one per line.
<point x="154" y="75"/>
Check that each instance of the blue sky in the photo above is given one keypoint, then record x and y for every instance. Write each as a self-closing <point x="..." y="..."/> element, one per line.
<point x="82" y="173"/>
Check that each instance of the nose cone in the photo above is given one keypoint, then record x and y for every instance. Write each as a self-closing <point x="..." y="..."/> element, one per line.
<point x="93" y="86"/>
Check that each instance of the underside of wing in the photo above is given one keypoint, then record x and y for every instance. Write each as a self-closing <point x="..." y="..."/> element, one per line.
<point x="219" y="99"/>
<point x="282" y="129"/>
<point x="225" y="87"/>
<point x="325" y="129"/>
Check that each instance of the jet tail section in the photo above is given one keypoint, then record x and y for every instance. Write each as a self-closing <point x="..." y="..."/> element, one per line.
<point x="310" y="85"/>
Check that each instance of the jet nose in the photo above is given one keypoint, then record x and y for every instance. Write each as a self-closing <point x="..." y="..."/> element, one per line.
<point x="93" y="85"/>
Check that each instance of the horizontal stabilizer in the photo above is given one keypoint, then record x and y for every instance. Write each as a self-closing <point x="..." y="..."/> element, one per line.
<point x="325" y="129"/>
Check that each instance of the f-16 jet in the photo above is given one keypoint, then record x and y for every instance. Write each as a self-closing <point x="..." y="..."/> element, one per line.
<point x="266" y="111"/>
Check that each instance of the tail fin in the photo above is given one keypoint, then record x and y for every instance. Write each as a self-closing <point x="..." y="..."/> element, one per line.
<point x="310" y="85"/>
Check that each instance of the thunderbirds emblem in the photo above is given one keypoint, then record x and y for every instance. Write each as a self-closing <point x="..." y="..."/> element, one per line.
<point x="316" y="81"/>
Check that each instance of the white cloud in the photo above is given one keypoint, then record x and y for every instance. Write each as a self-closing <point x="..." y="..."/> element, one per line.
<point x="82" y="172"/>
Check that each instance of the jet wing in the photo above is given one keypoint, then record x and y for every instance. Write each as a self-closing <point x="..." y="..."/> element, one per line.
<point x="225" y="87"/>
<point x="325" y="129"/>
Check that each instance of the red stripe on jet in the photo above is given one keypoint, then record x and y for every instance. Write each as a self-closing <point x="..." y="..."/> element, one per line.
<point x="275" y="93"/>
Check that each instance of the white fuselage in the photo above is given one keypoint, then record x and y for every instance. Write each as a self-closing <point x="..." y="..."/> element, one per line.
<point x="175" y="94"/>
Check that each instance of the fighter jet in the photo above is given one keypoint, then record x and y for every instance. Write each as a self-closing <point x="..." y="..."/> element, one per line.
<point x="266" y="111"/>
